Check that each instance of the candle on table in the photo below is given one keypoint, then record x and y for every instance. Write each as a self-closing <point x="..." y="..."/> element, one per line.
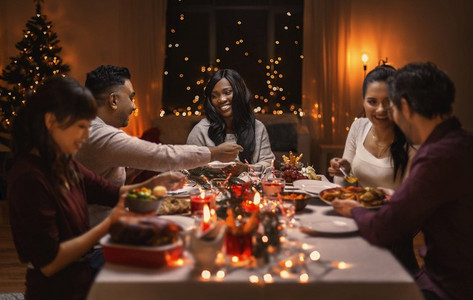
<point x="250" y="206"/>
<point x="206" y="218"/>
<point x="198" y="201"/>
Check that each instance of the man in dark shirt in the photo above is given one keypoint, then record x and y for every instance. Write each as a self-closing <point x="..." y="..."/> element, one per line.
<point x="436" y="198"/>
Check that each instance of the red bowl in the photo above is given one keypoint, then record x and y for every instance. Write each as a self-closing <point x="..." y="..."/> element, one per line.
<point x="141" y="256"/>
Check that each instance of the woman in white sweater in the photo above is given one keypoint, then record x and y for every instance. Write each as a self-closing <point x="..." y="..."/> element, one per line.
<point x="376" y="151"/>
<point x="229" y="118"/>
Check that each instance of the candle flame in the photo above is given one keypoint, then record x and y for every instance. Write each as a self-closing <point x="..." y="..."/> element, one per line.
<point x="206" y="211"/>
<point x="257" y="198"/>
<point x="202" y="194"/>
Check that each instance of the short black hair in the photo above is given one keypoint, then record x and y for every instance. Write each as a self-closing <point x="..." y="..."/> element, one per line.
<point x="429" y="91"/>
<point x="101" y="80"/>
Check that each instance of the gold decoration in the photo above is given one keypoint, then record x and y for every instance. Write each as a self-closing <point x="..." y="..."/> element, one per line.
<point x="292" y="159"/>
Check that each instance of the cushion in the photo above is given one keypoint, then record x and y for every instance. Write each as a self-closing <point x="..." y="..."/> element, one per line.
<point x="283" y="136"/>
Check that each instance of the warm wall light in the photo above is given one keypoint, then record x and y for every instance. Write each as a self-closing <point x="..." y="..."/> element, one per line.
<point x="364" y="59"/>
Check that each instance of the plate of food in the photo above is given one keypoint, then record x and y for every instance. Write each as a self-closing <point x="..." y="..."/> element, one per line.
<point x="172" y="205"/>
<point x="313" y="186"/>
<point x="331" y="226"/>
<point x="368" y="197"/>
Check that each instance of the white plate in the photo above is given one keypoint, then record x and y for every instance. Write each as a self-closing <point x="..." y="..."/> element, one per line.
<point x="187" y="223"/>
<point x="334" y="225"/>
<point x="218" y="164"/>
<point x="182" y="192"/>
<point x="313" y="186"/>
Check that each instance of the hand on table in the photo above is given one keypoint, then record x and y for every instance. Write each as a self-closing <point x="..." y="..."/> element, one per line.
<point x="225" y="152"/>
<point x="344" y="207"/>
<point x="335" y="164"/>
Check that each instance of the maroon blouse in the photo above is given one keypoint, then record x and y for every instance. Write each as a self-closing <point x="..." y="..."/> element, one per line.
<point x="41" y="219"/>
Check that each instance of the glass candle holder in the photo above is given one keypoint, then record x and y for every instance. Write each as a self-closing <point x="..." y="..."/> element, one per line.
<point x="198" y="200"/>
<point x="239" y="245"/>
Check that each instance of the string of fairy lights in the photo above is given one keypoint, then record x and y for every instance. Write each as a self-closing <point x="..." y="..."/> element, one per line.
<point x="271" y="99"/>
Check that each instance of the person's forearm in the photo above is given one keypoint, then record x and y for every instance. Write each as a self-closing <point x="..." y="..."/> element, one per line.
<point x="74" y="249"/>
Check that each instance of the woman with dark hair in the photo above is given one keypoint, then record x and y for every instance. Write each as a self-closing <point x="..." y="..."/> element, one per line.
<point x="48" y="191"/>
<point x="229" y="118"/>
<point x="376" y="150"/>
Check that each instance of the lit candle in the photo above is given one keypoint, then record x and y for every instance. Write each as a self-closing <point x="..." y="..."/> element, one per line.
<point x="206" y="218"/>
<point x="251" y="206"/>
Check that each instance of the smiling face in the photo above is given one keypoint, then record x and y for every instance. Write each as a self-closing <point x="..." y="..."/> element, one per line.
<point x="71" y="138"/>
<point x="222" y="97"/>
<point x="376" y="104"/>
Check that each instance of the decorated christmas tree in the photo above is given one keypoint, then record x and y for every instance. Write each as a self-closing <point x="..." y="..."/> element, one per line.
<point x="38" y="59"/>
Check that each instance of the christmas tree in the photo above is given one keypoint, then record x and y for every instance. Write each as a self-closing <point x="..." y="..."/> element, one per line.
<point x="38" y="59"/>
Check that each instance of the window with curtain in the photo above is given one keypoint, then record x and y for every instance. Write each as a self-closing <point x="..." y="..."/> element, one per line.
<point x="261" y="39"/>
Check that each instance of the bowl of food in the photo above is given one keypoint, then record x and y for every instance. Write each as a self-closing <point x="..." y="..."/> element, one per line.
<point x="368" y="197"/>
<point x="143" y="200"/>
<point x="299" y="198"/>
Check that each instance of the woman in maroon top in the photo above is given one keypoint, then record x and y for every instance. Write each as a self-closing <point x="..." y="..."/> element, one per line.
<point x="48" y="191"/>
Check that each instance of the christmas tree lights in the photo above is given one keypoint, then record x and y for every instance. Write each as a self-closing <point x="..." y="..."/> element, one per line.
<point x="37" y="60"/>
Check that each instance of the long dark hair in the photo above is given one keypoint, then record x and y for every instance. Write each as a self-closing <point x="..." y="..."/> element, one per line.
<point x="69" y="101"/>
<point x="399" y="149"/>
<point x="243" y="124"/>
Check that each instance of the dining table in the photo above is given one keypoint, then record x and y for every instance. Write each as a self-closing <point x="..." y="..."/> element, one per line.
<point x="339" y="264"/>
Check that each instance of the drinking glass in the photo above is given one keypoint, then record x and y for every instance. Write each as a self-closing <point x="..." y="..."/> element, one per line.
<point x="288" y="210"/>
<point x="272" y="185"/>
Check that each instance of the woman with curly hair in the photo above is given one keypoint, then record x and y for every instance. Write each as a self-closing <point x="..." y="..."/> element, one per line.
<point x="229" y="118"/>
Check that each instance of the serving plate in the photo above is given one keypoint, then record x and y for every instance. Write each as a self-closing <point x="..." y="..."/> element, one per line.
<point x="187" y="223"/>
<point x="321" y="196"/>
<point x="141" y="256"/>
<point x="313" y="186"/>
<point x="185" y="191"/>
<point x="332" y="226"/>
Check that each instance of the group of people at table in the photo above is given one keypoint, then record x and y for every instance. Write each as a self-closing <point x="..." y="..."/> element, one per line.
<point x="69" y="176"/>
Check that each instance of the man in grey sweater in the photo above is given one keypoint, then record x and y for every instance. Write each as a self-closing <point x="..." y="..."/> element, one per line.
<point x="109" y="150"/>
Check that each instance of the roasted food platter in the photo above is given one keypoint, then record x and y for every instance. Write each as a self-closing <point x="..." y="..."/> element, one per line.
<point x="368" y="197"/>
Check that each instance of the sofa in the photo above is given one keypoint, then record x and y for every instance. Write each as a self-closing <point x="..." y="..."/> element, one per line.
<point x="286" y="132"/>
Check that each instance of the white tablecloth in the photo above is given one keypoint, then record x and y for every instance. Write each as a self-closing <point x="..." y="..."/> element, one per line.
<point x="372" y="273"/>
